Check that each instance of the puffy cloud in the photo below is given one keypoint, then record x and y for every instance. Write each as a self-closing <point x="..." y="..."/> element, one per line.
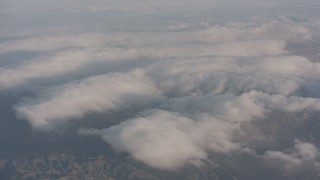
<point x="197" y="90"/>
<point x="95" y="94"/>
<point x="184" y="81"/>
<point x="160" y="139"/>
<point x="283" y="75"/>
<point x="178" y="78"/>
<point x="276" y="30"/>
<point x="284" y="29"/>
<point x="200" y="104"/>
<point x="70" y="61"/>
<point x="169" y="140"/>
<point x="62" y="54"/>
<point x="301" y="153"/>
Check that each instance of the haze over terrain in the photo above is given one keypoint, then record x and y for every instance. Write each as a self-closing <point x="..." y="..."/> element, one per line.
<point x="146" y="89"/>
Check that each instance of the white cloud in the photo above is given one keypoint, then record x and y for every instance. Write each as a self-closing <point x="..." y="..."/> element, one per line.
<point x="212" y="75"/>
<point x="283" y="29"/>
<point x="197" y="85"/>
<point x="301" y="153"/>
<point x="95" y="94"/>
<point x="62" y="54"/>
<point x="161" y="139"/>
<point x="169" y="140"/>
<point x="69" y="61"/>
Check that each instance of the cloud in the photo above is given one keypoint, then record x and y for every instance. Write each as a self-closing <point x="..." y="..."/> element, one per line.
<point x="190" y="107"/>
<point x="63" y="54"/>
<point x="283" y="75"/>
<point x="70" y="61"/>
<point x="179" y="77"/>
<point x="94" y="94"/>
<point x="197" y="90"/>
<point x="284" y="29"/>
<point x="190" y="128"/>
<point x="275" y="30"/>
<point x="161" y="139"/>
<point x="301" y="154"/>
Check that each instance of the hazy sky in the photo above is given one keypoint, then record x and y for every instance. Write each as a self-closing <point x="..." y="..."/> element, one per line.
<point x="199" y="77"/>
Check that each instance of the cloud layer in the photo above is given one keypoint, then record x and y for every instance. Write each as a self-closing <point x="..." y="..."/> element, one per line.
<point x="194" y="90"/>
